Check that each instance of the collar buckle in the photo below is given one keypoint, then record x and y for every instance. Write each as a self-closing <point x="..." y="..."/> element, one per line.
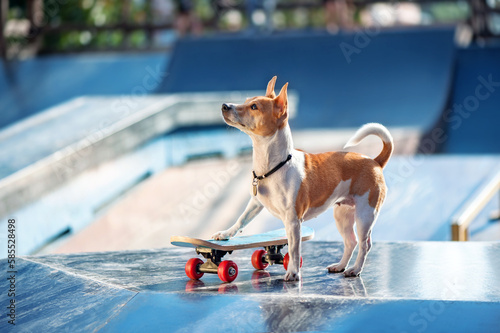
<point x="256" y="178"/>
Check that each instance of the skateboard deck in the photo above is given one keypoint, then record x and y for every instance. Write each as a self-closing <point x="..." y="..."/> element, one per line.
<point x="275" y="237"/>
<point x="213" y="251"/>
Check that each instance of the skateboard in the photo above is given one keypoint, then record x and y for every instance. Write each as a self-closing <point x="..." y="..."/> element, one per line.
<point x="213" y="251"/>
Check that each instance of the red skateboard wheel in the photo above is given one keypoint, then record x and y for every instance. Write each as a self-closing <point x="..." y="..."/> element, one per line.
<point x="192" y="270"/>
<point x="257" y="261"/>
<point x="227" y="271"/>
<point x="286" y="259"/>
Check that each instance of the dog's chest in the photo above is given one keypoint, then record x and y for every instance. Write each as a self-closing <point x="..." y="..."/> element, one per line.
<point x="277" y="195"/>
<point x="273" y="198"/>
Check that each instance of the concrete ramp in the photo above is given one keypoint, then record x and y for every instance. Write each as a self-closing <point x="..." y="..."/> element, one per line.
<point x="30" y="86"/>
<point x="70" y="146"/>
<point x="398" y="78"/>
<point x="405" y="287"/>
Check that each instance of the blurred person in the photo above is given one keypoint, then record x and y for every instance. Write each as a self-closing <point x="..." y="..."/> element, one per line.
<point x="187" y="21"/>
<point x="163" y="11"/>
<point x="338" y="15"/>
<point x="386" y="15"/>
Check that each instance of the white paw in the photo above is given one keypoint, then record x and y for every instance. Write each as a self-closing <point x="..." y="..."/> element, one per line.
<point x="352" y="272"/>
<point x="223" y="235"/>
<point x="336" y="268"/>
<point x="292" y="275"/>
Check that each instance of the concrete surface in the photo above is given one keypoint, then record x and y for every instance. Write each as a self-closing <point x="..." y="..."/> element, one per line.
<point x="405" y="287"/>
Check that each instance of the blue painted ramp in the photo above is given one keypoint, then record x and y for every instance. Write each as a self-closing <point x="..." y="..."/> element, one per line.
<point x="400" y="78"/>
<point x="30" y="86"/>
<point x="473" y="118"/>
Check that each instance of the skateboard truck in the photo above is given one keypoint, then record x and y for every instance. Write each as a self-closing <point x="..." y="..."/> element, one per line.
<point x="213" y="259"/>
<point x="226" y="270"/>
<point x="269" y="256"/>
<point x="273" y="255"/>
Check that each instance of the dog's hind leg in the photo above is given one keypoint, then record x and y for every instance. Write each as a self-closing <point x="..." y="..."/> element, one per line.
<point x="344" y="218"/>
<point x="365" y="219"/>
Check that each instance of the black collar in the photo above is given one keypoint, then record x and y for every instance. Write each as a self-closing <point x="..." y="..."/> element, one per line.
<point x="276" y="168"/>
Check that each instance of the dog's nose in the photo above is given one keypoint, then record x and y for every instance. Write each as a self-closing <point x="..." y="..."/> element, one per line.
<point x="225" y="107"/>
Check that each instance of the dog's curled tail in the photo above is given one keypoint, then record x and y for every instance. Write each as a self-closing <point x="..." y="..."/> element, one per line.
<point x="380" y="131"/>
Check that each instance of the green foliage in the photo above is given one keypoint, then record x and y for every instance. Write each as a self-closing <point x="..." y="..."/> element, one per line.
<point x="92" y="14"/>
<point x="446" y="12"/>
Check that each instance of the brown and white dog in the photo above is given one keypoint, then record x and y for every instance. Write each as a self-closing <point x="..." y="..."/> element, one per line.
<point x="307" y="184"/>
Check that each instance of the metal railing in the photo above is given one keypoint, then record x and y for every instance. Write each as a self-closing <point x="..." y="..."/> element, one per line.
<point x="462" y="220"/>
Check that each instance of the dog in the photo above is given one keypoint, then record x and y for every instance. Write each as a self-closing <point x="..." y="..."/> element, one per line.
<point x="296" y="186"/>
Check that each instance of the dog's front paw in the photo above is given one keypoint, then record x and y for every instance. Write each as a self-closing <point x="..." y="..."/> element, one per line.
<point x="223" y="235"/>
<point x="292" y="275"/>
<point x="352" y="272"/>
<point x="336" y="268"/>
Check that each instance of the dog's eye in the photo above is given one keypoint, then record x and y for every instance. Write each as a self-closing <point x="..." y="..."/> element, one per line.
<point x="254" y="107"/>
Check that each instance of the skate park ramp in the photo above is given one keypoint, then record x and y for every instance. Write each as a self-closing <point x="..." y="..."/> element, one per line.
<point x="472" y="118"/>
<point x="398" y="78"/>
<point x="51" y="80"/>
<point x="405" y="286"/>
<point x="85" y="136"/>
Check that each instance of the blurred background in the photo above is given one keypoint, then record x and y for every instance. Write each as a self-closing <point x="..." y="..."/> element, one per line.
<point x="111" y="136"/>
<point x="69" y="26"/>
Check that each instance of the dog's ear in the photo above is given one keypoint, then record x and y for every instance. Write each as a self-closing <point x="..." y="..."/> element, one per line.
<point x="281" y="101"/>
<point x="270" y="88"/>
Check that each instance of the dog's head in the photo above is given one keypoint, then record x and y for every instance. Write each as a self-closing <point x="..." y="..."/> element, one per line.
<point x="261" y="115"/>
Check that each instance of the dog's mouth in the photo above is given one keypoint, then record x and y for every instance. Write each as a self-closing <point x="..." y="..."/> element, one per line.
<point x="232" y="122"/>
